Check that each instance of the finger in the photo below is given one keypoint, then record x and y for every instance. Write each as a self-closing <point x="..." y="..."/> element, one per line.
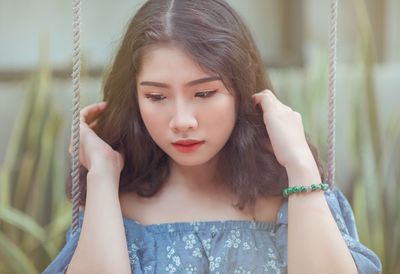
<point x="265" y="100"/>
<point x="89" y="113"/>
<point x="272" y="100"/>
<point x="271" y="95"/>
<point x="287" y="107"/>
<point x="263" y="93"/>
<point x="276" y="100"/>
<point x="93" y="125"/>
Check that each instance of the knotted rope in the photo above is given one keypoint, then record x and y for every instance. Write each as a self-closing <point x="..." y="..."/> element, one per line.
<point x="76" y="72"/>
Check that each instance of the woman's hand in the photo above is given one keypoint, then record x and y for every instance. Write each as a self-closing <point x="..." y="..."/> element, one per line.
<point x="93" y="151"/>
<point x="285" y="130"/>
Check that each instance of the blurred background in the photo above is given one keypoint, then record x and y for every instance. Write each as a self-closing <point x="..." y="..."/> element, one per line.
<point x="292" y="35"/>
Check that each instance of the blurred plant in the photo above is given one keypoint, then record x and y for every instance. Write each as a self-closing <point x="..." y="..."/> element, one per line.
<point x="377" y="175"/>
<point x="33" y="221"/>
<point x="373" y="189"/>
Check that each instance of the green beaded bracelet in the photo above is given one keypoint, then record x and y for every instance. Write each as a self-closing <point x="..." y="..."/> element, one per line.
<point x="298" y="189"/>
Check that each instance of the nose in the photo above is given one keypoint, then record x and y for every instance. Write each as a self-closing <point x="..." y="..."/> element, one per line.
<point x="183" y="119"/>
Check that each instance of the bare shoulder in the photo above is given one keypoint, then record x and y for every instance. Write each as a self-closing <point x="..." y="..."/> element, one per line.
<point x="133" y="206"/>
<point x="162" y="210"/>
<point x="267" y="209"/>
<point x="129" y="205"/>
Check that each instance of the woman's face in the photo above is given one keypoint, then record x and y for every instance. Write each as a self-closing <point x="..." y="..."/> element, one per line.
<point x="178" y="101"/>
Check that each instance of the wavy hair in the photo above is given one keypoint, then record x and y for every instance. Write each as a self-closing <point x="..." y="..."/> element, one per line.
<point x="216" y="38"/>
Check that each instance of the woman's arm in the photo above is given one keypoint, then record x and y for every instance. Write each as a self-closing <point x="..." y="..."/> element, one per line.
<point x="315" y="244"/>
<point x="102" y="246"/>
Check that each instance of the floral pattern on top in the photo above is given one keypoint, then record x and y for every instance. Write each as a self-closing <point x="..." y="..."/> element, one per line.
<point x="220" y="247"/>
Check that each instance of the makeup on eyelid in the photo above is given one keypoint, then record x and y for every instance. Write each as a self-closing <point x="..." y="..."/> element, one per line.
<point x="208" y="93"/>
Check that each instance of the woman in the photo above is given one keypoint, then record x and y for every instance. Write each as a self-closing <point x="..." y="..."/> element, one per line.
<point x="185" y="161"/>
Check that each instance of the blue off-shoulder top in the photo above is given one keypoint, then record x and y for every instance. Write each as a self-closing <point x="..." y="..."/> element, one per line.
<point x="221" y="247"/>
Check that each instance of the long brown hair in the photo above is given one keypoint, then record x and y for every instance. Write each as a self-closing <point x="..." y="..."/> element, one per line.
<point x="216" y="38"/>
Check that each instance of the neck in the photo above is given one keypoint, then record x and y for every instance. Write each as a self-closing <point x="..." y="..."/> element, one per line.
<point x="201" y="179"/>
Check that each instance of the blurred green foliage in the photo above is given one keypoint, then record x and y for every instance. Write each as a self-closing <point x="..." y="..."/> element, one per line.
<point x="34" y="213"/>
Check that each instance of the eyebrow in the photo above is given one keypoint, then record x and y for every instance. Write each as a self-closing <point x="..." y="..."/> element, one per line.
<point x="188" y="84"/>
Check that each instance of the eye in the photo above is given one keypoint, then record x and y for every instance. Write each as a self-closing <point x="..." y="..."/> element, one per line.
<point x="205" y="94"/>
<point x="159" y="97"/>
<point x="155" y="97"/>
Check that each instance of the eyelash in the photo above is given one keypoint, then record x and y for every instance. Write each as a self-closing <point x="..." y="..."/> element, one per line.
<point x="156" y="97"/>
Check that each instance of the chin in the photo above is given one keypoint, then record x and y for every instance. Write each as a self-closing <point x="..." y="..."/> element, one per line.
<point x="188" y="161"/>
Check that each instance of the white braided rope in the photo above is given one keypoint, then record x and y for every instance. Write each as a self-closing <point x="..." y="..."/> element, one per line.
<point x="76" y="71"/>
<point x="332" y="91"/>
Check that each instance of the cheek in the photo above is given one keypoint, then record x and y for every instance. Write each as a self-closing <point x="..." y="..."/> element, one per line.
<point x="152" y="119"/>
<point x="220" y="116"/>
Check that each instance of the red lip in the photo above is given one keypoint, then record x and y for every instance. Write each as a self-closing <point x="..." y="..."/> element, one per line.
<point x="187" y="146"/>
<point x="187" y="142"/>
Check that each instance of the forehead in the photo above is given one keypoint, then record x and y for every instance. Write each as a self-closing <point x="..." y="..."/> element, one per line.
<point x="169" y="62"/>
